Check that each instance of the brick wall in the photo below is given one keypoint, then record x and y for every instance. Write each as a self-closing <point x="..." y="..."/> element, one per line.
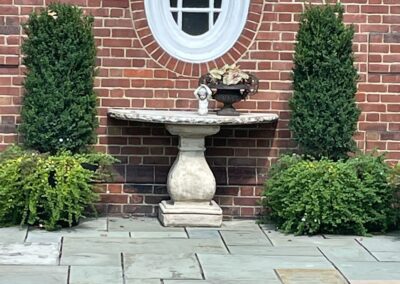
<point x="135" y="72"/>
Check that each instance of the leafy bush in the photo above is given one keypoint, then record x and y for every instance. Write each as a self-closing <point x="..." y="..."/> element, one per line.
<point x="308" y="196"/>
<point x="395" y="177"/>
<point x="47" y="190"/>
<point x="59" y="107"/>
<point x="324" y="112"/>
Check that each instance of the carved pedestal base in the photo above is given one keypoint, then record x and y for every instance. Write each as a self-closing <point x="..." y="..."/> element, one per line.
<point x="191" y="183"/>
<point x="190" y="214"/>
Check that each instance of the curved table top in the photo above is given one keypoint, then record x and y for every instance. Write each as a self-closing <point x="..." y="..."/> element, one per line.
<point x="189" y="117"/>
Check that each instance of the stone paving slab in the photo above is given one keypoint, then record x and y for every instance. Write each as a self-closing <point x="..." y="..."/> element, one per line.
<point x="139" y="224"/>
<point x="166" y="266"/>
<point x="279" y="239"/>
<point x="36" y="235"/>
<point x="382" y="243"/>
<point x="240" y="225"/>
<point x="143" y="281"/>
<point x="265" y="281"/>
<point x="374" y="282"/>
<point x="196" y="233"/>
<point x="310" y="276"/>
<point x="93" y="224"/>
<point x="33" y="274"/>
<point x="387" y="255"/>
<point x="159" y="235"/>
<point x="100" y="247"/>
<point x="351" y="237"/>
<point x="353" y="253"/>
<point x="95" y="275"/>
<point x="73" y="246"/>
<point x="13" y="234"/>
<point x="29" y="254"/>
<point x="370" y="270"/>
<point x="255" y="267"/>
<point x="112" y="259"/>
<point x="250" y="238"/>
<point x="90" y="227"/>
<point x="275" y="251"/>
<point x="234" y="225"/>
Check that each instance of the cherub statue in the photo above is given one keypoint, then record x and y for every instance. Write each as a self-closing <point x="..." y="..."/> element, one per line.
<point x="203" y="94"/>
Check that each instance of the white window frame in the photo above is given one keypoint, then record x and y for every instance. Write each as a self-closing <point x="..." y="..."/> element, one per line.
<point x="179" y="9"/>
<point x="202" y="48"/>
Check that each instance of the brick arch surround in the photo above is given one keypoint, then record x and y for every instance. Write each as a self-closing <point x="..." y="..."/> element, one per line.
<point x="156" y="52"/>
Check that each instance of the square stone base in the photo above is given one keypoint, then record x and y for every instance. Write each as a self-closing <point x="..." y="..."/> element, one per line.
<point x="190" y="214"/>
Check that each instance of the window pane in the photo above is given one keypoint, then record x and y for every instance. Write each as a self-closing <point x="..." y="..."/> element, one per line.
<point x="195" y="23"/>
<point x="196" y="3"/>
<point x="175" y="15"/>
<point x="216" y="17"/>
<point x="217" y="3"/>
<point x="173" y="3"/>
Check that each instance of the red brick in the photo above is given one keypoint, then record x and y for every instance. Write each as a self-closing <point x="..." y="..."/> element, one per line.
<point x="138" y="73"/>
<point x="114" y="198"/>
<point x="116" y="3"/>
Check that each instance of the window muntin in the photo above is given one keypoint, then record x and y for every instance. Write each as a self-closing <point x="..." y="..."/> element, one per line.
<point x="195" y="17"/>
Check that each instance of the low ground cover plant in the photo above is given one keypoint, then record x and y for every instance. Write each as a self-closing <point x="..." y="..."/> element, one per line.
<point x="51" y="191"/>
<point x="307" y="196"/>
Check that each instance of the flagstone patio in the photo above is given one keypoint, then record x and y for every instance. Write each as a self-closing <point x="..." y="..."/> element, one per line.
<point x="140" y="250"/>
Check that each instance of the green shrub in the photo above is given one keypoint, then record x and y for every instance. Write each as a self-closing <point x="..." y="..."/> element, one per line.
<point x="324" y="112"/>
<point x="47" y="190"/>
<point x="395" y="183"/>
<point x="310" y="197"/>
<point x="395" y="178"/>
<point x="59" y="106"/>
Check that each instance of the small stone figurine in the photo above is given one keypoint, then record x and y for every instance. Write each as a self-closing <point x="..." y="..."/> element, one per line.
<point x="203" y="94"/>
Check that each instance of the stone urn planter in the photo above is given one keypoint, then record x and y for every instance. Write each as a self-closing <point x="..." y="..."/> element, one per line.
<point x="230" y="85"/>
<point x="228" y="95"/>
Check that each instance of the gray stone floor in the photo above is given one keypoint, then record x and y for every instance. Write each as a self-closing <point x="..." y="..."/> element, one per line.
<point x="140" y="250"/>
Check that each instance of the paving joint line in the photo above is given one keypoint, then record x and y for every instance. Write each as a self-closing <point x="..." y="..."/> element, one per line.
<point x="200" y="266"/>
<point x="278" y="276"/>
<point x="123" y="268"/>
<point x="187" y="233"/>
<point x="26" y="234"/>
<point x="265" y="234"/>
<point x="334" y="265"/>
<point x="370" y="253"/>
<point x="223" y="241"/>
<point x="61" y="250"/>
<point x="69" y="274"/>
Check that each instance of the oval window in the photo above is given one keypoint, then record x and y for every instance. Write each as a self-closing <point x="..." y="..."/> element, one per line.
<point x="196" y="30"/>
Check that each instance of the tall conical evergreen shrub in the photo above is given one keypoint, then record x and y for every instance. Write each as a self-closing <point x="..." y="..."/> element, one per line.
<point x="324" y="112"/>
<point x="59" y="106"/>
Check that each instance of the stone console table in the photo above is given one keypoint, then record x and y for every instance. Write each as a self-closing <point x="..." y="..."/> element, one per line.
<point x="191" y="184"/>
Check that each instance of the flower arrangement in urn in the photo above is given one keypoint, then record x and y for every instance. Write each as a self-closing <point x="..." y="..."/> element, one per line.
<point x="229" y="85"/>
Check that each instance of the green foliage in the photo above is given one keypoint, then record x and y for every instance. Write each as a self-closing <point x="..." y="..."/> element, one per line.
<point x="310" y="197"/>
<point x="395" y="178"/>
<point x="59" y="107"/>
<point x="324" y="112"/>
<point x="48" y="190"/>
